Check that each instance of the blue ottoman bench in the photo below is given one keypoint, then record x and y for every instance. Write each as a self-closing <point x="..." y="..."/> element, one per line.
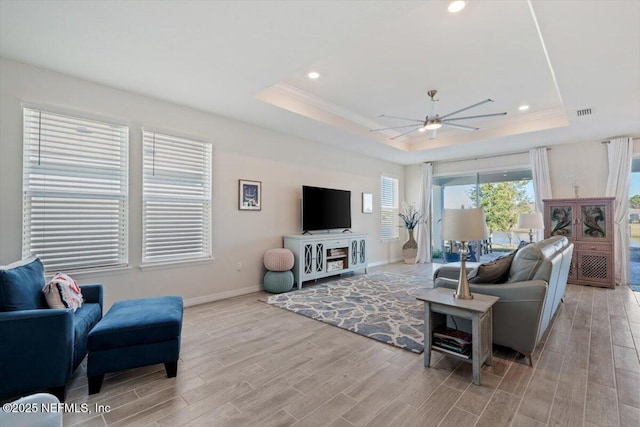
<point x="134" y="333"/>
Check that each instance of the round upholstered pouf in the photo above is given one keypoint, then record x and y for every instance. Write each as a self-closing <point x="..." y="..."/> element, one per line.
<point x="278" y="282"/>
<point x="278" y="260"/>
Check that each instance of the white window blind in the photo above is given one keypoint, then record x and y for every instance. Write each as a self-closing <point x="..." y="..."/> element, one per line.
<point x="388" y="208"/>
<point x="75" y="188"/>
<point x="176" y="199"/>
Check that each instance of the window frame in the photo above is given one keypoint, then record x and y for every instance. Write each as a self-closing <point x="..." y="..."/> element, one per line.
<point x="391" y="210"/>
<point x="70" y="174"/>
<point x="477" y="177"/>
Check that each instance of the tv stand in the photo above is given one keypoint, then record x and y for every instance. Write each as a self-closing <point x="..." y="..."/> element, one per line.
<point x="318" y="256"/>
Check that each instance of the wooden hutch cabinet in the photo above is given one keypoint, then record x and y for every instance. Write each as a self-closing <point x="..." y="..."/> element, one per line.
<point x="588" y="224"/>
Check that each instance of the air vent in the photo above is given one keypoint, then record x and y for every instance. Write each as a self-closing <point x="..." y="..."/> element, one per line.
<point x="584" y="112"/>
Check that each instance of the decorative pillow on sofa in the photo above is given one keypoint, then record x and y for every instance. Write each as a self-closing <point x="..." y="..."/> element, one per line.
<point x="496" y="271"/>
<point x="21" y="285"/>
<point x="63" y="292"/>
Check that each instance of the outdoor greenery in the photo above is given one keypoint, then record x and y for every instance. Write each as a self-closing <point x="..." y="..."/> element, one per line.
<point x="502" y="202"/>
<point x="634" y="202"/>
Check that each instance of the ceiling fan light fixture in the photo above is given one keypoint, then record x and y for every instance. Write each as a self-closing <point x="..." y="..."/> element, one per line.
<point x="456" y="6"/>
<point x="433" y="121"/>
<point x="433" y="124"/>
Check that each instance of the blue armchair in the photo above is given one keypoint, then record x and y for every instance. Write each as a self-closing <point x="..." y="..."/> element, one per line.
<point x="41" y="347"/>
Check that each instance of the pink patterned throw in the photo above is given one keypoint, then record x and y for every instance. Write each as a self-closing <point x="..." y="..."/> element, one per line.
<point x="63" y="292"/>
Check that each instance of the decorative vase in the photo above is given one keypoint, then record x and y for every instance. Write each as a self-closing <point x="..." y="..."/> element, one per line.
<point x="410" y="249"/>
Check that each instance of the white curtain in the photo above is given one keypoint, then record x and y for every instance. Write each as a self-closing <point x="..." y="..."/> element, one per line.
<point x="424" y="240"/>
<point x="619" y="153"/>
<point x="541" y="181"/>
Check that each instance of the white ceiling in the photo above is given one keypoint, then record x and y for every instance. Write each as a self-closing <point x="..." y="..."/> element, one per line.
<point x="249" y="59"/>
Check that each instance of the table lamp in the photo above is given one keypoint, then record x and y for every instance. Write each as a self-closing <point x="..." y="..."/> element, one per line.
<point x="532" y="221"/>
<point x="463" y="225"/>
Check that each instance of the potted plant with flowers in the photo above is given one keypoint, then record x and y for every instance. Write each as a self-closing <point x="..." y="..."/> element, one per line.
<point x="411" y="217"/>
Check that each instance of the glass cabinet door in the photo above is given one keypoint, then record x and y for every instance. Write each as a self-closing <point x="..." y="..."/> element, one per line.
<point x="593" y="222"/>
<point x="561" y="218"/>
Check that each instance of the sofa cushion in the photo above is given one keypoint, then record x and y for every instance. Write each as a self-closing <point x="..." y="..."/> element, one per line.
<point x="526" y="263"/>
<point x="495" y="271"/>
<point x="21" y="285"/>
<point x="84" y="319"/>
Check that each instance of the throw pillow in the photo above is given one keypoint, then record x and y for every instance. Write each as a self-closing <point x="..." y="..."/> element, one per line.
<point x="63" y="292"/>
<point x="21" y="284"/>
<point x="496" y="271"/>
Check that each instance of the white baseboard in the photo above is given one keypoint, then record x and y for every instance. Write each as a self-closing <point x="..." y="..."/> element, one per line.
<point x="377" y="263"/>
<point x="221" y="295"/>
<point x="248" y="290"/>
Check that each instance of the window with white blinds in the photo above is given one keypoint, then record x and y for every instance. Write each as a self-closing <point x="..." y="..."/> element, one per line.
<point x="176" y="199"/>
<point x="388" y="208"/>
<point x="75" y="191"/>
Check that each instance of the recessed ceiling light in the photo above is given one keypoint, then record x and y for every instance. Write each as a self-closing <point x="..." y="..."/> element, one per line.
<point x="456" y="6"/>
<point x="523" y="107"/>
<point x="422" y="129"/>
<point x="313" y="75"/>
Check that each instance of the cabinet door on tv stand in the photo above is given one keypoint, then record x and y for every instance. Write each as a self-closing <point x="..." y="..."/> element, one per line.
<point x="313" y="260"/>
<point x="358" y="252"/>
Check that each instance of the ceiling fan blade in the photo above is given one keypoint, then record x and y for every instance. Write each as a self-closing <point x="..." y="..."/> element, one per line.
<point x="457" y="126"/>
<point x="432" y="133"/>
<point x="395" y="127"/>
<point x="401" y="118"/>
<point x="466" y="108"/>
<point x="409" y="131"/>
<point x="474" y="117"/>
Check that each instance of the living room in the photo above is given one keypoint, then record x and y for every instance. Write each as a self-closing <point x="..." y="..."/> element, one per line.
<point x="283" y="159"/>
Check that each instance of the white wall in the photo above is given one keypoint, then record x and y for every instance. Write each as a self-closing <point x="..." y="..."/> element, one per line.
<point x="413" y="184"/>
<point x="582" y="162"/>
<point x="240" y="151"/>
<point x="504" y="161"/>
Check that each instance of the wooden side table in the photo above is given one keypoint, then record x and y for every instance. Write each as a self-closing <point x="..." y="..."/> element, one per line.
<point x="439" y="302"/>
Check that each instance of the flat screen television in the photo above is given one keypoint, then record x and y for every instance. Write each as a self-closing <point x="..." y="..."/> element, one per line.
<point x="325" y="208"/>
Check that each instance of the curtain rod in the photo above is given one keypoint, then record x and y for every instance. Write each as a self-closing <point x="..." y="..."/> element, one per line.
<point x="608" y="141"/>
<point x="482" y="157"/>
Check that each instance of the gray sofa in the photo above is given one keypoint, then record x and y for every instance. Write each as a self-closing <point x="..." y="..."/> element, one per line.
<point x="529" y="297"/>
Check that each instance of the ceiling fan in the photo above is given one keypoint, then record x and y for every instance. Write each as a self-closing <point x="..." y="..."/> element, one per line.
<point x="433" y="121"/>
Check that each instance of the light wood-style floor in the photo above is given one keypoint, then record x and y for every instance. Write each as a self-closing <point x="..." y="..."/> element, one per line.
<point x="245" y="363"/>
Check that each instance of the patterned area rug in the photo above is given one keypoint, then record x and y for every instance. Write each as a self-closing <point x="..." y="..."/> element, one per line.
<point x="381" y="306"/>
<point x="635" y="288"/>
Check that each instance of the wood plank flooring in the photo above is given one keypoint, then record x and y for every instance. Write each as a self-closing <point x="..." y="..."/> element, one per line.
<point x="245" y="363"/>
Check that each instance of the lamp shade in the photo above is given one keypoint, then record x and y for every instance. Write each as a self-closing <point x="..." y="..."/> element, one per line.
<point x="532" y="220"/>
<point x="464" y="225"/>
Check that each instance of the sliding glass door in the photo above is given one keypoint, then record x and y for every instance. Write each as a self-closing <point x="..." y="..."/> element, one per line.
<point x="503" y="195"/>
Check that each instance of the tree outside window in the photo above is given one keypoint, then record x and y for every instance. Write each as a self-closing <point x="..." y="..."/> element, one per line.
<point x="502" y="202"/>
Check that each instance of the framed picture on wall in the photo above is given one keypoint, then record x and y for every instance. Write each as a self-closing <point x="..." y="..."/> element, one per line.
<point x="250" y="195"/>
<point x="367" y="203"/>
